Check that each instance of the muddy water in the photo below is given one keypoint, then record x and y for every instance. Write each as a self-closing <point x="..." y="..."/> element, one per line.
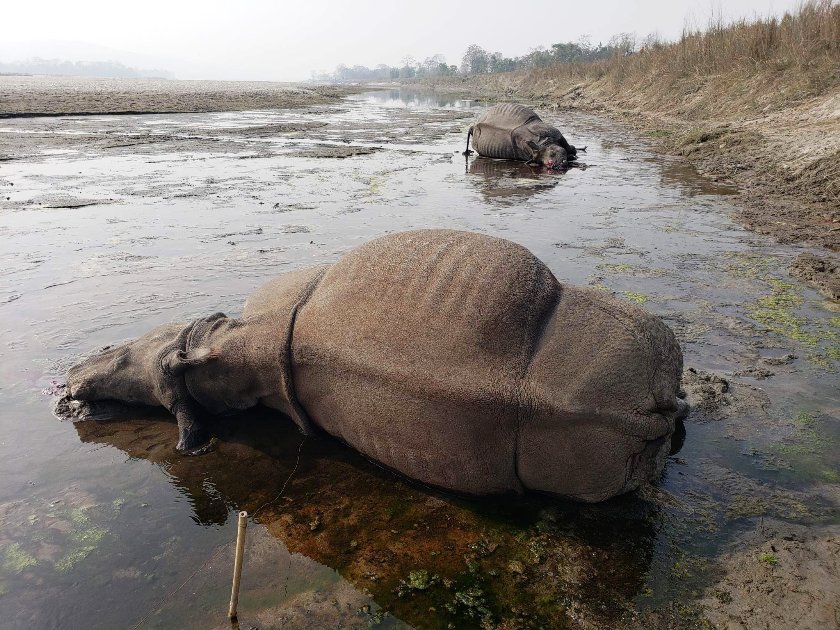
<point x="112" y="225"/>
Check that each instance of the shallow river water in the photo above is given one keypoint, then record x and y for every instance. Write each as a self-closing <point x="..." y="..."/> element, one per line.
<point x="112" y="225"/>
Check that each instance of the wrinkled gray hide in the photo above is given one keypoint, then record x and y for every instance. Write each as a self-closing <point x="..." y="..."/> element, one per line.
<point x="514" y="132"/>
<point x="452" y="357"/>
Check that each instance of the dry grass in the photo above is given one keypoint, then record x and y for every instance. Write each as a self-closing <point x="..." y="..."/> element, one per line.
<point x="806" y="42"/>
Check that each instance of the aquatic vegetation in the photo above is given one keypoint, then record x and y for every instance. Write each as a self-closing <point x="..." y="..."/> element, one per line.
<point x="615" y="267"/>
<point x="15" y="559"/>
<point x="749" y="265"/>
<point x="82" y="543"/>
<point x="473" y="603"/>
<point x="807" y="439"/>
<point x="777" y="313"/>
<point x="419" y="580"/>
<point x="631" y="270"/>
<point x="808" y="449"/>
<point x="746" y="506"/>
<point x="636" y="298"/>
<point x="688" y="567"/>
<point x="600" y="286"/>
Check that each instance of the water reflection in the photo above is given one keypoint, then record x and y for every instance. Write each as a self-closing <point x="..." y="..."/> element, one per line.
<point x="414" y="100"/>
<point x="685" y="176"/>
<point x="507" y="183"/>
<point x="431" y="559"/>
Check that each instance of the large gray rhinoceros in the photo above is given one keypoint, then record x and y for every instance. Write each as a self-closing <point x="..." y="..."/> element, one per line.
<point x="452" y="357"/>
<point x="509" y="131"/>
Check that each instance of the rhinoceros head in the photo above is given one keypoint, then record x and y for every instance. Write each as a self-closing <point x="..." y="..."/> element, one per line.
<point x="549" y="154"/>
<point x="127" y="372"/>
<point x="147" y="371"/>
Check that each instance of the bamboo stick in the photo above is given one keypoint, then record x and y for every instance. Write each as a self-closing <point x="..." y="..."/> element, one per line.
<point x="237" y="565"/>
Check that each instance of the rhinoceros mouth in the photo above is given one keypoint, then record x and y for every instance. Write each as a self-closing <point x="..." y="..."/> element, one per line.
<point x="68" y="408"/>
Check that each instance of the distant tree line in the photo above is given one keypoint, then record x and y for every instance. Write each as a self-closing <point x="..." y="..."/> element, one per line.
<point x="477" y="60"/>
<point x="79" y="69"/>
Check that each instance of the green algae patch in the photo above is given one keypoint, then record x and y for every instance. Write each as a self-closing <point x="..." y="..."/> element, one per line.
<point x="689" y="567"/>
<point x="779" y="312"/>
<point x="749" y="265"/>
<point x="616" y="267"/>
<point x="375" y="183"/>
<point x="775" y="312"/>
<point x="82" y="543"/>
<point x="600" y="286"/>
<point x="630" y="270"/>
<point x="636" y="298"/>
<point x="808" y="450"/>
<point x="16" y="559"/>
<point x="746" y="506"/>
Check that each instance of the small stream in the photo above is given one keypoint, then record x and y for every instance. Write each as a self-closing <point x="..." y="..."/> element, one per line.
<point x="112" y="225"/>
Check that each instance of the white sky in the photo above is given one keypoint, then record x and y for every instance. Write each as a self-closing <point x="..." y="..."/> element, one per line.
<point x="286" y="39"/>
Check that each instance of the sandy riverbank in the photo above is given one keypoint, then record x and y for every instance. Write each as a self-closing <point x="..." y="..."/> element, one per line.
<point x="25" y="96"/>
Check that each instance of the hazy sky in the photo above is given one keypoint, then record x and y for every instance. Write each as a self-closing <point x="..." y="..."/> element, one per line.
<point x="286" y="40"/>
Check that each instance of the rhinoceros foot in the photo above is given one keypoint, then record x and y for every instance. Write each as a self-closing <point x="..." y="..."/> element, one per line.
<point x="195" y="441"/>
<point x="208" y="447"/>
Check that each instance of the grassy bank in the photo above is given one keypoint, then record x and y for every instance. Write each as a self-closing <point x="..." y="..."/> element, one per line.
<point x="752" y="102"/>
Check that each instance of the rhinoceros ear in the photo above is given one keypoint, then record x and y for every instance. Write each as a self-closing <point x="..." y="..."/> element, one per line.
<point x="177" y="361"/>
<point x="534" y="146"/>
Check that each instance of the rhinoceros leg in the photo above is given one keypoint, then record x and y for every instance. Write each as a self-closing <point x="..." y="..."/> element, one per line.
<point x="174" y="361"/>
<point x="467" y="150"/>
<point x="191" y="434"/>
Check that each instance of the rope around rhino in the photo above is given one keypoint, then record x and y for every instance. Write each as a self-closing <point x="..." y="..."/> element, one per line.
<point x="288" y="479"/>
<point x="165" y="599"/>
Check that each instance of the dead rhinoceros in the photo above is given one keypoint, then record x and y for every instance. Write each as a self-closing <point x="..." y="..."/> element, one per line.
<point x="452" y="357"/>
<point x="514" y="132"/>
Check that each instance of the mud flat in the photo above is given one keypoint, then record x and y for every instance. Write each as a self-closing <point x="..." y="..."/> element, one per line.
<point x="27" y="96"/>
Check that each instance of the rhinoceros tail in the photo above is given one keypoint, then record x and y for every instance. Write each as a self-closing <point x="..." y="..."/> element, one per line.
<point x="467" y="150"/>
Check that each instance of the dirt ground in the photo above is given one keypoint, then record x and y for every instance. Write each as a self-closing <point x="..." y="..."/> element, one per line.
<point x="783" y="576"/>
<point x="55" y="96"/>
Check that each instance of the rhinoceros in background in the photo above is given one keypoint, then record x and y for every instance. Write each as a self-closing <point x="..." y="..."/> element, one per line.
<point x="514" y="132"/>
<point x="452" y="357"/>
